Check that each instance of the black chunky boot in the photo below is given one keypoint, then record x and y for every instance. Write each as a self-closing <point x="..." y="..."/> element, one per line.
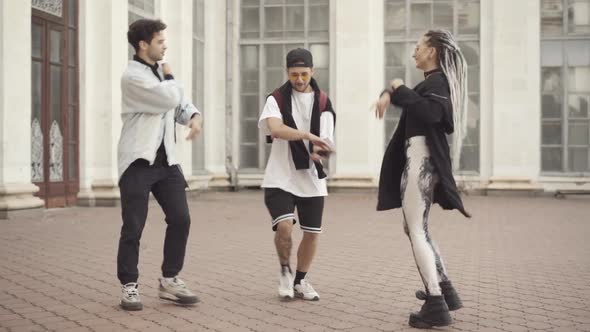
<point x="434" y="312"/>
<point x="451" y="297"/>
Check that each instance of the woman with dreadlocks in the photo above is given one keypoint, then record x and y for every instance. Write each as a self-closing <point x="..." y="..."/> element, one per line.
<point x="417" y="168"/>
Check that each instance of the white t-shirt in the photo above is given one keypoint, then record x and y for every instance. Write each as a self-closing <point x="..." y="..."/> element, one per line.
<point x="280" y="170"/>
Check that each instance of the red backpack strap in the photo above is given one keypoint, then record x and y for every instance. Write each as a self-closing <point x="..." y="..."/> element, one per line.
<point x="279" y="99"/>
<point x="323" y="101"/>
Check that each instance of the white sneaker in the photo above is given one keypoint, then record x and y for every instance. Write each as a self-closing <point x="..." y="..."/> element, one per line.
<point x="174" y="289"/>
<point x="306" y="292"/>
<point x="286" y="285"/>
<point x="130" y="297"/>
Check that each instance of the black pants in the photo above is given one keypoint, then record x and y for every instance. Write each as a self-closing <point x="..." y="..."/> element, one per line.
<point x="167" y="184"/>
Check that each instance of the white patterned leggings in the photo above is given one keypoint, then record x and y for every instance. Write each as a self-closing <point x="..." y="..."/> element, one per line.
<point x="417" y="188"/>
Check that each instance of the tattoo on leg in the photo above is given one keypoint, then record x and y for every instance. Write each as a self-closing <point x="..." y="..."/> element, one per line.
<point x="283" y="244"/>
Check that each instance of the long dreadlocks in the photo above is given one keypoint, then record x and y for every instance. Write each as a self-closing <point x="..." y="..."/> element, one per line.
<point x="453" y="64"/>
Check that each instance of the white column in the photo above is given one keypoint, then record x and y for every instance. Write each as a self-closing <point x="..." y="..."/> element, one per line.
<point x="515" y="110"/>
<point x="215" y="92"/>
<point x="357" y="76"/>
<point x="486" y="139"/>
<point x="177" y="14"/>
<point x="103" y="58"/>
<point x="16" y="189"/>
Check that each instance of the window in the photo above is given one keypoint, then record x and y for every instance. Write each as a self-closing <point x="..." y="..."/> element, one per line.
<point x="565" y="86"/>
<point x="405" y="21"/>
<point x="268" y="30"/>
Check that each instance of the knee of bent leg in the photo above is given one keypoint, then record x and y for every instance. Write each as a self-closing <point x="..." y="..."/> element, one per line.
<point x="284" y="229"/>
<point x="180" y="218"/>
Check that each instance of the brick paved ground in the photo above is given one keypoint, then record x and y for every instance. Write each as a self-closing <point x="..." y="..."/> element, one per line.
<point x="521" y="264"/>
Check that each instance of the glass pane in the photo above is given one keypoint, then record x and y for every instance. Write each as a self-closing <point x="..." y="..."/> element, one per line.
<point x="250" y="23"/>
<point x="551" y="159"/>
<point x="472" y="120"/>
<point x="36" y="81"/>
<point x="274" y="2"/>
<point x="468" y="17"/>
<point x="321" y="55"/>
<point x="249" y="65"/>
<point x="55" y="46"/>
<point x="552" y="92"/>
<point x="73" y="165"/>
<point x="72" y="12"/>
<point x="578" y="106"/>
<point x="551" y="80"/>
<point x="322" y="76"/>
<point x="579" y="16"/>
<point x="250" y="131"/>
<point x="392" y="73"/>
<point x="149" y="6"/>
<point x="469" y="158"/>
<point x="420" y="19"/>
<point x="248" y="156"/>
<point x="319" y="18"/>
<point x="551" y="54"/>
<point x="275" y="57"/>
<point x="578" y="133"/>
<point x="289" y="47"/>
<point x="395" y="18"/>
<point x="551" y="132"/>
<point x="274" y="79"/>
<point x="55" y="88"/>
<point x="443" y="15"/>
<point x="551" y="17"/>
<point x="579" y="79"/>
<point x="72" y="97"/>
<point x="72" y="54"/>
<point x="551" y="106"/>
<point x="473" y="79"/>
<point x="395" y="54"/>
<point x="249" y="107"/>
<point x="578" y="52"/>
<point x="274" y="21"/>
<point x="37" y="41"/>
<point x="470" y="51"/>
<point x="56" y="146"/>
<point x="250" y="2"/>
<point x="578" y="159"/>
<point x="249" y="81"/>
<point x="294" y="21"/>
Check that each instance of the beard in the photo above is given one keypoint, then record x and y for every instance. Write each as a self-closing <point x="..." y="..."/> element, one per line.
<point x="155" y="56"/>
<point x="300" y="87"/>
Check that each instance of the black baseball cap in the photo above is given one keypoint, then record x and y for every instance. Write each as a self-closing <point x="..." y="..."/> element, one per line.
<point x="299" y="57"/>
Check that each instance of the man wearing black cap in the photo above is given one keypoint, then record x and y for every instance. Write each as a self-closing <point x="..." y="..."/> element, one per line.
<point x="300" y="119"/>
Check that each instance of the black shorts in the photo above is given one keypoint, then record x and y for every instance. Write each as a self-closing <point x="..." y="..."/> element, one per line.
<point x="282" y="204"/>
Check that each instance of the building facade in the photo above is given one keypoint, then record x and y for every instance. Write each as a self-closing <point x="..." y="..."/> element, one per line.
<point x="61" y="62"/>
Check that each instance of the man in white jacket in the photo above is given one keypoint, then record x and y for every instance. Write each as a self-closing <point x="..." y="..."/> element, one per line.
<point x="153" y="101"/>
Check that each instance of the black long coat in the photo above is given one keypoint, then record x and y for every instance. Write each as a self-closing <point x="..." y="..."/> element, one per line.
<point x="429" y="102"/>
